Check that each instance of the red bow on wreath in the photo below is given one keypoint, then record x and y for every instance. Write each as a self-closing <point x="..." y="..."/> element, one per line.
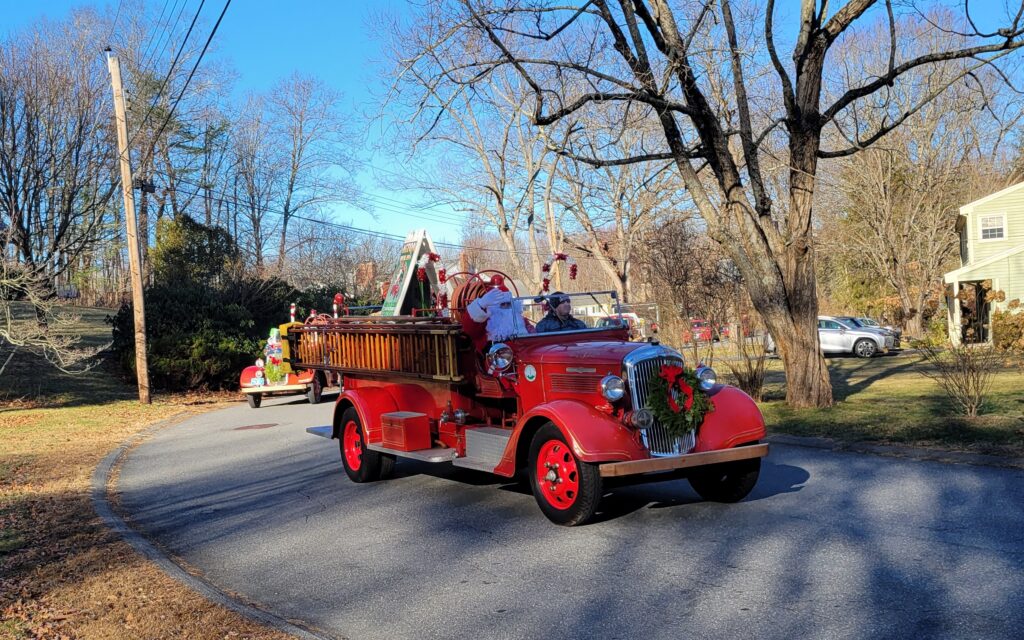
<point x="676" y="380"/>
<point x="667" y="386"/>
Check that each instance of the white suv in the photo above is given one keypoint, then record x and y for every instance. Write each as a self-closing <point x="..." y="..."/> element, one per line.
<point x="838" y="336"/>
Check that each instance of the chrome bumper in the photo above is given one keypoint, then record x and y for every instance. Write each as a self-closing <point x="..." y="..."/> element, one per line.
<point x="652" y="465"/>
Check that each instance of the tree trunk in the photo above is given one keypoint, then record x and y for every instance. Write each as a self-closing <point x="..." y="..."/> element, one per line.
<point x="796" y="338"/>
<point x="282" y="246"/>
<point x="913" y="317"/>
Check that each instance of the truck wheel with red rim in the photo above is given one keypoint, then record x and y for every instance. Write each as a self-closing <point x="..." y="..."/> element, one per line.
<point x="361" y="464"/>
<point x="726" y="482"/>
<point x="254" y="399"/>
<point x="567" y="489"/>
<point x="315" y="389"/>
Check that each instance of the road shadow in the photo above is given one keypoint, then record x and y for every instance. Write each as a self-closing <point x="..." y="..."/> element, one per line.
<point x="622" y="496"/>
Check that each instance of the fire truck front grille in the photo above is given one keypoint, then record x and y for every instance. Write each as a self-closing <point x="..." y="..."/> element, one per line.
<point x="640" y="367"/>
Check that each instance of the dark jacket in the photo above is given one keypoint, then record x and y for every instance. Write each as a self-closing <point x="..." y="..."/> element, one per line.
<point x="551" y="323"/>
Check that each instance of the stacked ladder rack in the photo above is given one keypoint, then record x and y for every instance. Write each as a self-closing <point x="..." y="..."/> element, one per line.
<point x="406" y="346"/>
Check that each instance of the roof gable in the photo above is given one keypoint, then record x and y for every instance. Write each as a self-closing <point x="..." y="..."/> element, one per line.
<point x="969" y="207"/>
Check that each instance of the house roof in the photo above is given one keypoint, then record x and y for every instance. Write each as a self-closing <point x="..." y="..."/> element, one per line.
<point x="969" y="207"/>
<point x="954" y="276"/>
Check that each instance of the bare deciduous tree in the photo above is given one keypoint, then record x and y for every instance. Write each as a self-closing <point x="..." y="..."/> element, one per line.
<point x="897" y="212"/>
<point x="690" y="68"/>
<point x="311" y="137"/>
<point x="56" y="151"/>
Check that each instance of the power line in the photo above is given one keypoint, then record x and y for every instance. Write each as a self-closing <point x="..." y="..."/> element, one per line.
<point x="145" y="54"/>
<point x="450" y="218"/>
<point x="168" y="33"/>
<point x="184" y="88"/>
<point x="170" y="71"/>
<point x="113" y="25"/>
<point x="338" y="225"/>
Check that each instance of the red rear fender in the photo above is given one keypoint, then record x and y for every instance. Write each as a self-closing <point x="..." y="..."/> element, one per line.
<point x="370" y="403"/>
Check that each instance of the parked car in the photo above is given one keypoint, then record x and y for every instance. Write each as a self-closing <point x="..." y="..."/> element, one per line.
<point x="836" y="335"/>
<point x="870" y="325"/>
<point x="638" y="327"/>
<point x="839" y="335"/>
<point x="895" y="331"/>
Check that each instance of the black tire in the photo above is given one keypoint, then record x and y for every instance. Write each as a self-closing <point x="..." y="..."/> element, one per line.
<point x="315" y="389"/>
<point x="726" y="482"/>
<point x="568" y="508"/>
<point x="361" y="464"/>
<point x="255" y="399"/>
<point x="865" y="348"/>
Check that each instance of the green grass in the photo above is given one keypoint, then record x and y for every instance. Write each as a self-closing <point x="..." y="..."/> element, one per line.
<point x="888" y="400"/>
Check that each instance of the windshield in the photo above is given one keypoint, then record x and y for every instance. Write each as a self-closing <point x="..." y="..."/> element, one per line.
<point x="583" y="312"/>
<point x="868" y="322"/>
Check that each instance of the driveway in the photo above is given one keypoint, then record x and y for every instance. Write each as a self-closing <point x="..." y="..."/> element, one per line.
<point x="829" y="544"/>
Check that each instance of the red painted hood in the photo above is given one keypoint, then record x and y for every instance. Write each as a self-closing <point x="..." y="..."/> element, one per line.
<point x="575" y="353"/>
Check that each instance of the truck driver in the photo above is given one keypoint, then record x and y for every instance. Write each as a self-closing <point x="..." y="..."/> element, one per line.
<point x="559" y="317"/>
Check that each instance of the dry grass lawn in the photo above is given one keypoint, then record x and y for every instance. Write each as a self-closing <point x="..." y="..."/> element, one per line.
<point x="62" y="573"/>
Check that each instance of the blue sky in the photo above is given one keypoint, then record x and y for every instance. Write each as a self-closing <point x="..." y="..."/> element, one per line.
<point x="265" y="40"/>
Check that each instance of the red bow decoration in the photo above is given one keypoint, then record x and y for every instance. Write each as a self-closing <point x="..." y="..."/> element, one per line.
<point x="677" y="385"/>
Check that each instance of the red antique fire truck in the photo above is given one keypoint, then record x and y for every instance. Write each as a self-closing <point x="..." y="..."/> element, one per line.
<point x="479" y="387"/>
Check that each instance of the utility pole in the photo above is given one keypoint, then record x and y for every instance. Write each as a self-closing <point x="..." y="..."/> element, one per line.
<point x="134" y="257"/>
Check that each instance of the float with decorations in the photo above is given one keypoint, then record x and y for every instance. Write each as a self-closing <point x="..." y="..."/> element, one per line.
<point x="272" y="373"/>
<point x="464" y="377"/>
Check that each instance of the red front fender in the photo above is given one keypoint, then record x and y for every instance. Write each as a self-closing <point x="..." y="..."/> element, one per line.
<point x="594" y="436"/>
<point x="735" y="420"/>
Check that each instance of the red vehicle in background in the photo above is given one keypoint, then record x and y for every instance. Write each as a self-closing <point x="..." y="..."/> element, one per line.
<point x="572" y="409"/>
<point x="703" y="331"/>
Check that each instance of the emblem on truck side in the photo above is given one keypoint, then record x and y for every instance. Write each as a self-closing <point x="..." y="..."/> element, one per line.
<point x="530" y="373"/>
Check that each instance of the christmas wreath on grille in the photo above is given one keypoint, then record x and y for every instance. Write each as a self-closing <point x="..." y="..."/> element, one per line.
<point x="677" y="400"/>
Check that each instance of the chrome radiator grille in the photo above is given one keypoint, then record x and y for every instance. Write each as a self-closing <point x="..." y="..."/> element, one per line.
<point x="641" y="365"/>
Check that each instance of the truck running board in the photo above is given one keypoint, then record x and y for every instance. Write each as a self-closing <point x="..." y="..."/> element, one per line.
<point x="325" y="431"/>
<point x="437" y="454"/>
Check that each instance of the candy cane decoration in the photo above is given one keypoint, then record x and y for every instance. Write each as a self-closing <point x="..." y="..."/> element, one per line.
<point x="291" y="312"/>
<point x="442" y="276"/>
<point x="557" y="257"/>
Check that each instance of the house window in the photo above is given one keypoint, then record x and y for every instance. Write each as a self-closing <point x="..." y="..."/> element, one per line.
<point x="993" y="227"/>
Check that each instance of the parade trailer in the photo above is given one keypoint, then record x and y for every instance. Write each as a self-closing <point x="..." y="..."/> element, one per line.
<point x="273" y="374"/>
<point x="469" y="381"/>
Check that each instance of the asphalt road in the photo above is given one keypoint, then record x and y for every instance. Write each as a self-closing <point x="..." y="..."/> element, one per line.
<point x="829" y="544"/>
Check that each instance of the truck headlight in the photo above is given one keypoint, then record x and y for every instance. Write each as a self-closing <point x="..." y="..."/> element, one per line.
<point x="707" y="376"/>
<point x="613" y="388"/>
<point x="499" y="357"/>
